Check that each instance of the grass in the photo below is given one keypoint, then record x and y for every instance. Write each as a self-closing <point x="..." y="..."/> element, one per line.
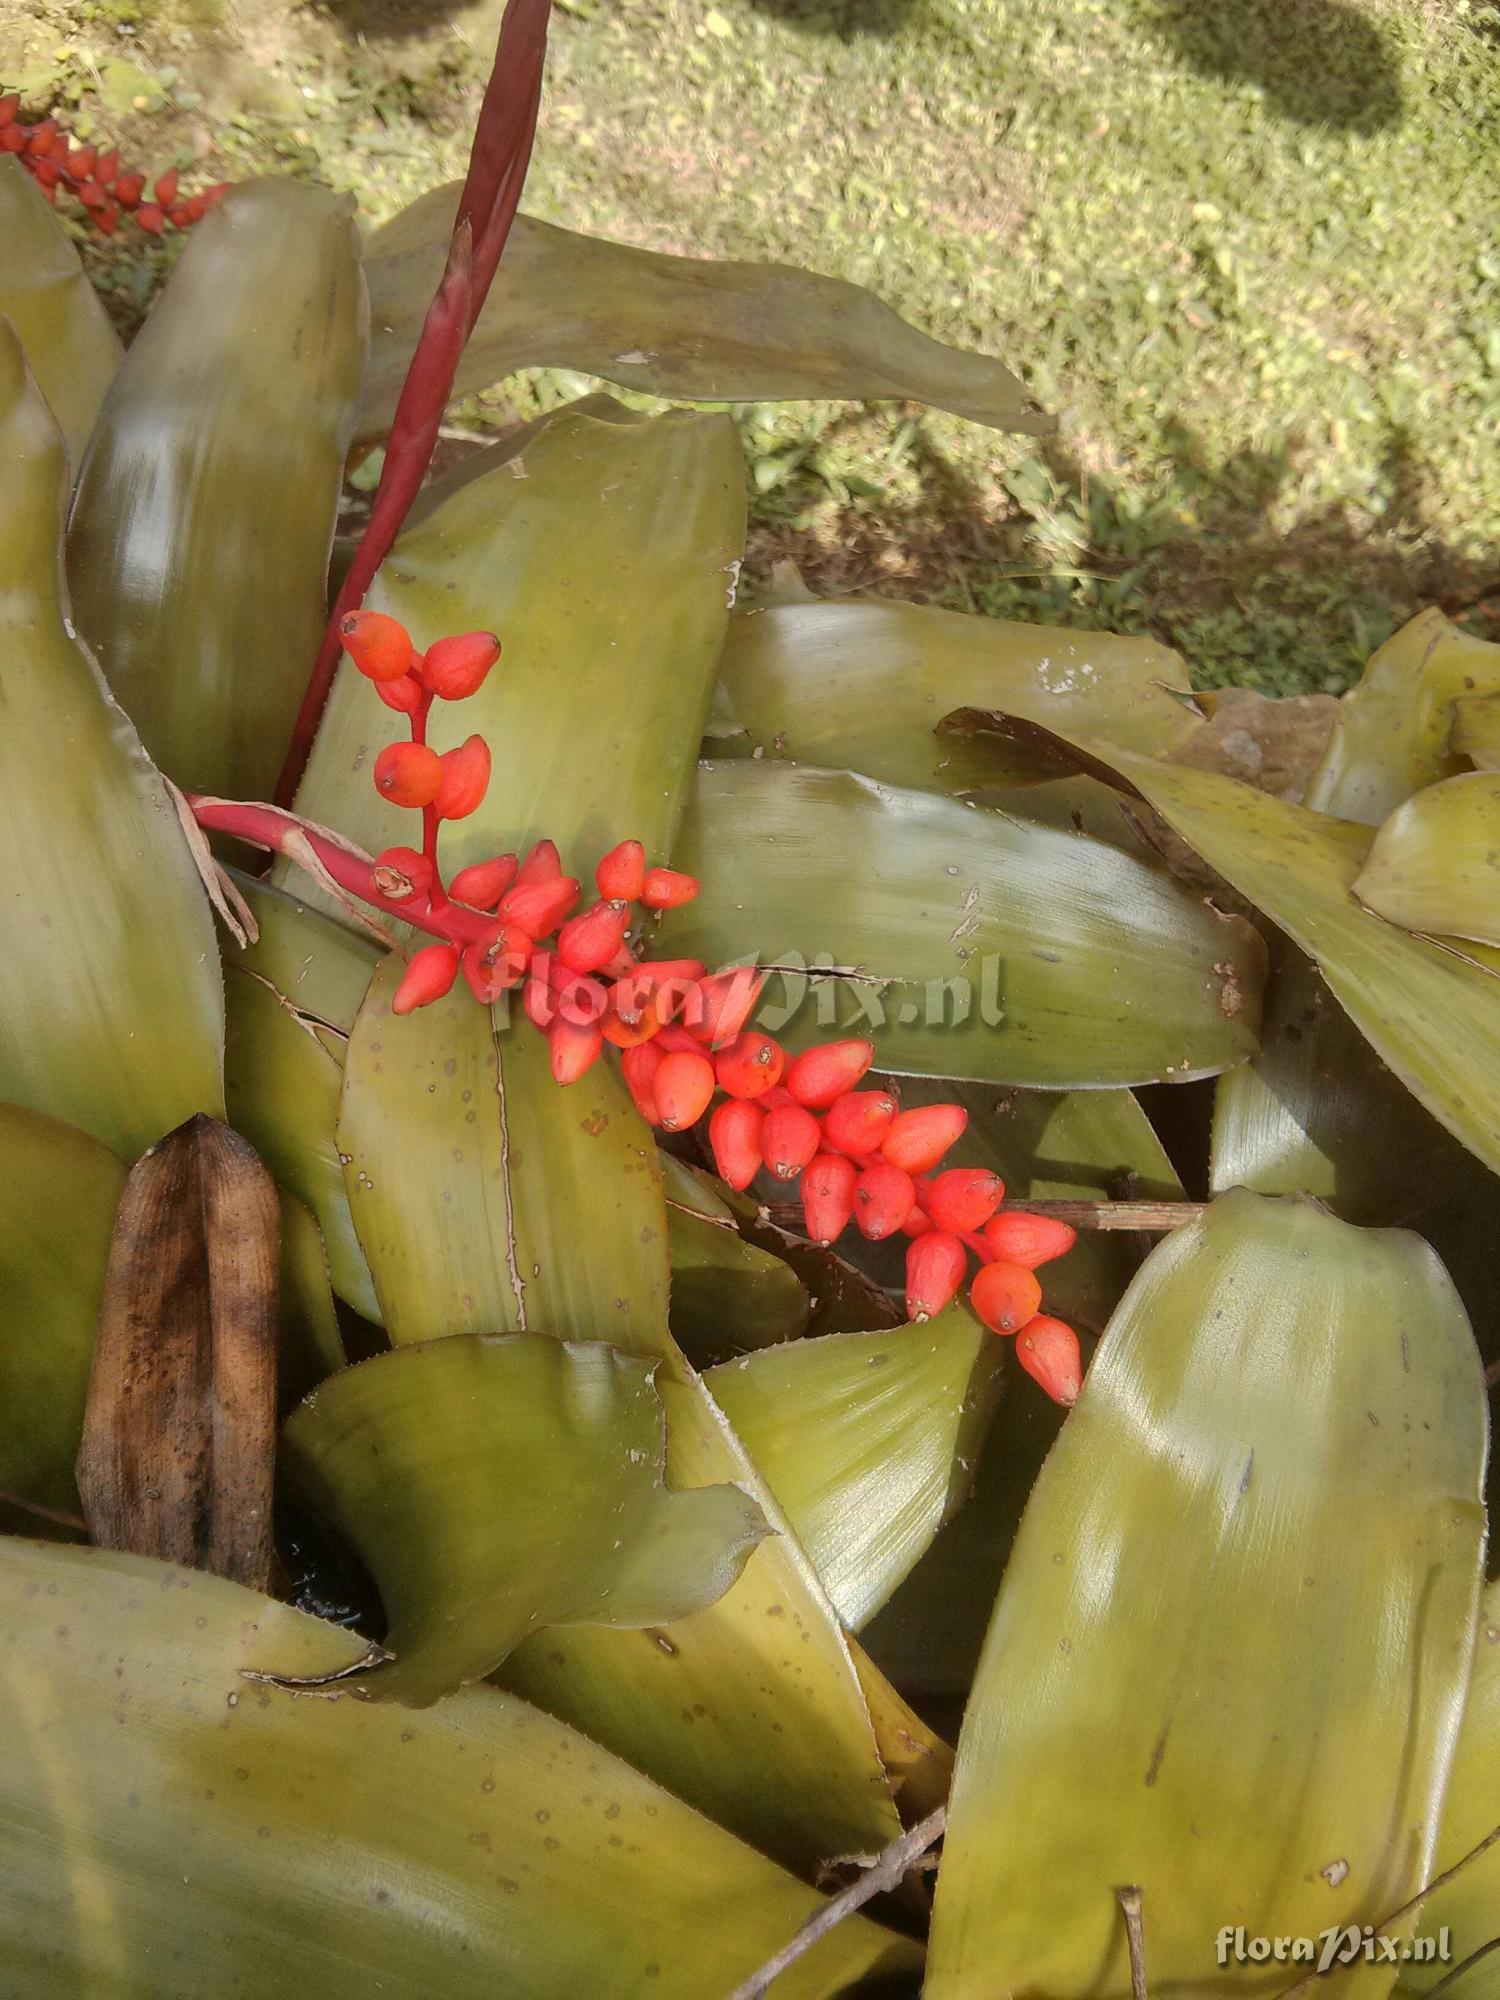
<point x="1246" y="248"/>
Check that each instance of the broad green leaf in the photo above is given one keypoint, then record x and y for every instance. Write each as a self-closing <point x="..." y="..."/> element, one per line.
<point x="198" y="548"/>
<point x="1392" y="734"/>
<point x="1435" y="864"/>
<point x="234" y="1834"/>
<point x="1228" y="1658"/>
<point x="728" y="1294"/>
<point x="1468" y="1907"/>
<point x="603" y="551"/>
<point x="1476" y="730"/>
<point x="675" y="326"/>
<point x="290" y="1000"/>
<point x="110" y="1004"/>
<point x="962" y="942"/>
<point x="58" y="1196"/>
<point x="311" y="1345"/>
<point x="865" y="686"/>
<point x="868" y="1441"/>
<point x="45" y="294"/>
<point x="1416" y="1002"/>
<point x="493" y="1486"/>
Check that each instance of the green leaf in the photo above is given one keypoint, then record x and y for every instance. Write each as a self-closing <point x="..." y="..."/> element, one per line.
<point x="198" y="549"/>
<point x="1232" y="1642"/>
<point x="58" y="1197"/>
<point x="868" y="1441"/>
<point x="1066" y="962"/>
<point x="311" y="1347"/>
<point x="865" y="686"/>
<point x="496" y="1486"/>
<point x="109" y="985"/>
<point x="1392" y="734"/>
<point x="603" y="551"/>
<point x="1435" y="864"/>
<point x="239" y="1833"/>
<point x="678" y="327"/>
<point x="70" y="345"/>
<point x="728" y="1295"/>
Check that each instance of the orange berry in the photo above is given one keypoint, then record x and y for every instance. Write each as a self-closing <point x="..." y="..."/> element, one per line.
<point x="638" y="1066"/>
<point x="1005" y="1296"/>
<point x="456" y="668"/>
<point x="665" y="889"/>
<point x="622" y="872"/>
<point x="483" y="883"/>
<point x="429" y="975"/>
<point x="591" y="939"/>
<point x="543" y="863"/>
<point x="818" y="1076"/>
<point x="684" y="1087"/>
<point x="405" y="694"/>
<point x="857" y="1122"/>
<point x="493" y="964"/>
<point x="1048" y="1350"/>
<point x="380" y="647"/>
<point x="919" y="1138"/>
<point x="935" y="1267"/>
<point x="408" y="774"/>
<point x="828" y="1196"/>
<point x="573" y="1047"/>
<point x="401" y="873"/>
<point x="1028" y="1239"/>
<point x="540" y="906"/>
<point x="734" y="1133"/>
<point x="882" y="1200"/>
<point x="718" y="1007"/>
<point x="466" y="779"/>
<point x="750" y="1066"/>
<point x="790" y="1138"/>
<point x="963" y="1198"/>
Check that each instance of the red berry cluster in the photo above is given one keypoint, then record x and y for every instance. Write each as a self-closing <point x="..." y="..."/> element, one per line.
<point x="94" y="178"/>
<point x="682" y="1031"/>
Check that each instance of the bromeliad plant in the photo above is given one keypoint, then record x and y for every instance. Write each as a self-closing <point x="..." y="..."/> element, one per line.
<point x="680" y="1506"/>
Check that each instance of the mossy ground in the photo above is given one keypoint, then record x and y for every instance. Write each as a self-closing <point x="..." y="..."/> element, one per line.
<point x="1247" y="248"/>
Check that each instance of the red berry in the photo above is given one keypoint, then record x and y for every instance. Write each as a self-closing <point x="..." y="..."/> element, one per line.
<point x="166" y="188"/>
<point x="401" y="873"/>
<point x="935" y="1267"/>
<point x="1028" y="1239"/>
<point x="718" y="1007"/>
<point x="455" y="668"/>
<point x="684" y="1086"/>
<point x="750" y="1066"/>
<point x="151" y="218"/>
<point x="13" y="138"/>
<point x="179" y="216"/>
<point x="858" y="1121"/>
<point x="405" y="694"/>
<point x="665" y="889"/>
<point x="622" y="872"/>
<point x="196" y="208"/>
<point x="466" y="779"/>
<point x="573" y="1048"/>
<point x="106" y="167"/>
<point x="734" y="1133"/>
<point x="380" y="647"/>
<point x="483" y="883"/>
<point x="964" y="1198"/>
<point x="919" y="1138"/>
<point x="828" y="1196"/>
<point x="41" y="142"/>
<point x="428" y="977"/>
<point x="1005" y="1296"/>
<point x="539" y="907"/>
<point x="791" y="1137"/>
<point x="494" y="964"/>
<point x="408" y="774"/>
<point x="93" y="196"/>
<point x="1048" y="1350"/>
<point x="676" y="1041"/>
<point x="129" y="188"/>
<point x="579" y="999"/>
<point x="537" y="996"/>
<point x="543" y="863"/>
<point x="590" y="940"/>
<point x="917" y="1222"/>
<point x="81" y="162"/>
<point x="46" y="174"/>
<point x="818" y="1076"/>
<point x="882" y="1200"/>
<point x="217" y="192"/>
<point x="638" y="1066"/>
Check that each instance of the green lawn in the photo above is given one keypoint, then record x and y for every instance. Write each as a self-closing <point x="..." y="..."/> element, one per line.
<point x="1246" y="248"/>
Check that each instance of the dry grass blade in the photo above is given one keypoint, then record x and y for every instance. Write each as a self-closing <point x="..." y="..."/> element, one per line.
<point x="179" y="1437"/>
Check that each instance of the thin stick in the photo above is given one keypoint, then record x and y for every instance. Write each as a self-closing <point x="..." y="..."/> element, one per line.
<point x="1451" y="1979"/>
<point x="885" y="1872"/>
<point x="54" y="1514"/>
<point x="1155" y="1217"/>
<point x="1135" y="1939"/>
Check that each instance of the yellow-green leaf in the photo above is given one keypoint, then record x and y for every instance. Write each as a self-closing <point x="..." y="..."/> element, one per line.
<point x="674" y="326"/>
<point x="198" y="548"/>
<point x="45" y="294"/>
<point x="231" y="1833"/>
<point x="728" y="1294"/>
<point x="960" y="941"/>
<point x="1230" y="1651"/>
<point x="311" y="1346"/>
<point x="1435" y="864"/>
<point x="111" y="1013"/>
<point x="1476" y="730"/>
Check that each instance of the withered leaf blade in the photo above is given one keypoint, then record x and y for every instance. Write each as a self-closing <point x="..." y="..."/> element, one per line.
<point x="179" y="1436"/>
